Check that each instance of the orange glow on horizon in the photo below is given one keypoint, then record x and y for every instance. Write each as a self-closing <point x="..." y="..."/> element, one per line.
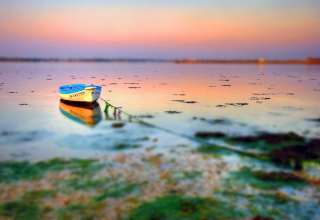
<point x="161" y="27"/>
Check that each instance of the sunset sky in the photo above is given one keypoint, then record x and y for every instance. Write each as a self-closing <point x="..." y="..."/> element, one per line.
<point x="160" y="28"/>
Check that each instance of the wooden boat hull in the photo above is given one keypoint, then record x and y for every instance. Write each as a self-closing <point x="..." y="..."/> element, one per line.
<point x="80" y="93"/>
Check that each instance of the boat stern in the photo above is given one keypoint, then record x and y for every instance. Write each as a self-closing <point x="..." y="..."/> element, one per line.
<point x="92" y="93"/>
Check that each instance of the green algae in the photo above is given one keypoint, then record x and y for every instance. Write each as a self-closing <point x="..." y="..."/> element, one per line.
<point x="92" y="209"/>
<point x="216" y="151"/>
<point x="264" y="180"/>
<point x="14" y="171"/>
<point x="177" y="176"/>
<point x="295" y="155"/>
<point x="209" y="134"/>
<point x="123" y="146"/>
<point x="80" y="167"/>
<point x="263" y="141"/>
<point x="20" y="210"/>
<point x="79" y="211"/>
<point x="176" y="207"/>
<point x="37" y="195"/>
<point x="117" y="190"/>
<point x="286" y="150"/>
<point x="83" y="184"/>
<point x="267" y="141"/>
<point x="107" y="187"/>
<point x="232" y="195"/>
<point x="279" y="177"/>
<point x="275" y="206"/>
<point x="28" y="206"/>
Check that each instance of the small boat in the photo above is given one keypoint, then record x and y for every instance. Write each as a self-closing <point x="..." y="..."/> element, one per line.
<point x="88" y="115"/>
<point x="80" y="93"/>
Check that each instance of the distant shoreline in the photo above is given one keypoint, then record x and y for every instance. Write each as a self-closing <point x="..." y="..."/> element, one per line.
<point x="307" y="61"/>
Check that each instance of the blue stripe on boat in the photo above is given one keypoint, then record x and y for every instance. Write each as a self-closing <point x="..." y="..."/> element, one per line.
<point x="73" y="88"/>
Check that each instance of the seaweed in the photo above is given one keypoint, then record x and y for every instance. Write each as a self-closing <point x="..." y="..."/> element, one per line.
<point x="267" y="141"/>
<point x="263" y="141"/>
<point x="27" y="206"/>
<point x="80" y="183"/>
<point x="125" y="146"/>
<point x="283" y="149"/>
<point x="118" y="125"/>
<point x="37" y="195"/>
<point x="81" y="167"/>
<point x="260" y="217"/>
<point x="143" y="116"/>
<point x="184" y="101"/>
<point x="209" y="134"/>
<point x="173" y="112"/>
<point x="22" y="136"/>
<point x="214" y="150"/>
<point x="117" y="190"/>
<point x="265" y="180"/>
<point x="176" y="207"/>
<point x="294" y="155"/>
<point x="315" y="120"/>
<point x="20" y="209"/>
<point x="268" y="205"/>
<point x="215" y="121"/>
<point x="184" y="175"/>
<point x="79" y="211"/>
<point x="14" y="171"/>
<point x="272" y="138"/>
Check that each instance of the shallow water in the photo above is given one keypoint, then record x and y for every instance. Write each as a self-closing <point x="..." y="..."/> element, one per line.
<point x="275" y="98"/>
<point x="245" y="137"/>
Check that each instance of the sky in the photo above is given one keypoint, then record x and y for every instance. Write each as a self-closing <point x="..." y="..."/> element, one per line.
<point x="277" y="29"/>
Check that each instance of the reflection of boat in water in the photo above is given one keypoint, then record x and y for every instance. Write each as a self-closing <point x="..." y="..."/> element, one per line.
<point x="89" y="114"/>
<point x="80" y="92"/>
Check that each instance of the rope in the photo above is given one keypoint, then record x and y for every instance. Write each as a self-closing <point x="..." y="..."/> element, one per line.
<point x="219" y="144"/>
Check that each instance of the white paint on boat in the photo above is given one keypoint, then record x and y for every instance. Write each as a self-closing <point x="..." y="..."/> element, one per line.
<point x="89" y="93"/>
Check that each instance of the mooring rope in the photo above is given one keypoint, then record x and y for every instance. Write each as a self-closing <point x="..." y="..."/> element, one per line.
<point x="131" y="118"/>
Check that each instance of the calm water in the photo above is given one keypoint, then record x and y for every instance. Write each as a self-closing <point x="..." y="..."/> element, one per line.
<point x="34" y="125"/>
<point x="242" y="140"/>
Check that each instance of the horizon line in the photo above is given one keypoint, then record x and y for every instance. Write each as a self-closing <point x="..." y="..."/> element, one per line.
<point x="306" y="60"/>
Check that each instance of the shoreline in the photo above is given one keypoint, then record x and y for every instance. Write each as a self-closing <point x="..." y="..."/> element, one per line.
<point x="261" y="61"/>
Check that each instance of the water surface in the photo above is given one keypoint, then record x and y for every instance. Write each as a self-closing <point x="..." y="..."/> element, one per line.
<point x="246" y="136"/>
